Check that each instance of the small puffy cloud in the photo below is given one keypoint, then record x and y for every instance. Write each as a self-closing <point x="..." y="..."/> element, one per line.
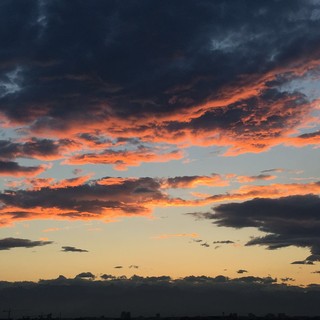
<point x="205" y="244"/>
<point x="10" y="243"/>
<point x="287" y="279"/>
<point x="242" y="271"/>
<point x="107" y="276"/>
<point x="72" y="249"/>
<point x="85" y="275"/>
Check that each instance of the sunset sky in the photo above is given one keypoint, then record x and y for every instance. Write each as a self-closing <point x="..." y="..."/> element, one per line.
<point x="160" y="138"/>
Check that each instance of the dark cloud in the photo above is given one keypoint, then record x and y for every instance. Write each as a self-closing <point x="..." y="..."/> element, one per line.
<point x="118" y="267"/>
<point x="107" y="276"/>
<point x="147" y="295"/>
<point x="273" y="170"/>
<point x="85" y="275"/>
<point x="10" y="243"/>
<point x="133" y="266"/>
<point x="11" y="168"/>
<point x="242" y="271"/>
<point x="287" y="279"/>
<point x="205" y="244"/>
<point x="96" y="199"/>
<point x="35" y="148"/>
<point x="223" y="242"/>
<point x="222" y="70"/>
<point x="72" y="249"/>
<point x="310" y="135"/>
<point x="288" y="221"/>
<point x="305" y="262"/>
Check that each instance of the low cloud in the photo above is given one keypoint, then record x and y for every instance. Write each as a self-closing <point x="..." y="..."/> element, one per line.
<point x="11" y="243"/>
<point x="288" y="221"/>
<point x="85" y="275"/>
<point x="72" y="249"/>
<point x="147" y="295"/>
<point x="223" y="242"/>
<point x="242" y="271"/>
<point x="287" y="279"/>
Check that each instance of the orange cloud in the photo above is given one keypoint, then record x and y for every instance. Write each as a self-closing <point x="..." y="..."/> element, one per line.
<point x="263" y="177"/>
<point x="193" y="181"/>
<point x="106" y="200"/>
<point x="39" y="183"/>
<point x="121" y="159"/>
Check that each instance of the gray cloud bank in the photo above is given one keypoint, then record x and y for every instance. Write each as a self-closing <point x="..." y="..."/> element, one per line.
<point x="146" y="296"/>
<point x="288" y="221"/>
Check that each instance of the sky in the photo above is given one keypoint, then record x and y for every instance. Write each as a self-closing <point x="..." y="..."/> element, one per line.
<point x="164" y="150"/>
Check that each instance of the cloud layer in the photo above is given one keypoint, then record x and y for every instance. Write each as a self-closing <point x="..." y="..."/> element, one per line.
<point x="147" y="296"/>
<point x="217" y="79"/>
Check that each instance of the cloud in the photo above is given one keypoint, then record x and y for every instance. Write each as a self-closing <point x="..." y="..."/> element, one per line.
<point x="85" y="275"/>
<point x="118" y="267"/>
<point x="216" y="81"/>
<point x="44" y="149"/>
<point x="287" y="279"/>
<point x="193" y="181"/>
<point x="38" y="183"/>
<point x="288" y="221"/>
<point x="72" y="249"/>
<point x="110" y="197"/>
<point x="88" y="201"/>
<point x="242" y="271"/>
<point x="262" y="177"/>
<point x="147" y="295"/>
<point x="133" y="266"/>
<point x="11" y="243"/>
<point x="273" y="170"/>
<point x="121" y="159"/>
<point x="11" y="168"/>
<point x="305" y="262"/>
<point x="107" y="276"/>
<point x="223" y="242"/>
<point x="205" y="244"/>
